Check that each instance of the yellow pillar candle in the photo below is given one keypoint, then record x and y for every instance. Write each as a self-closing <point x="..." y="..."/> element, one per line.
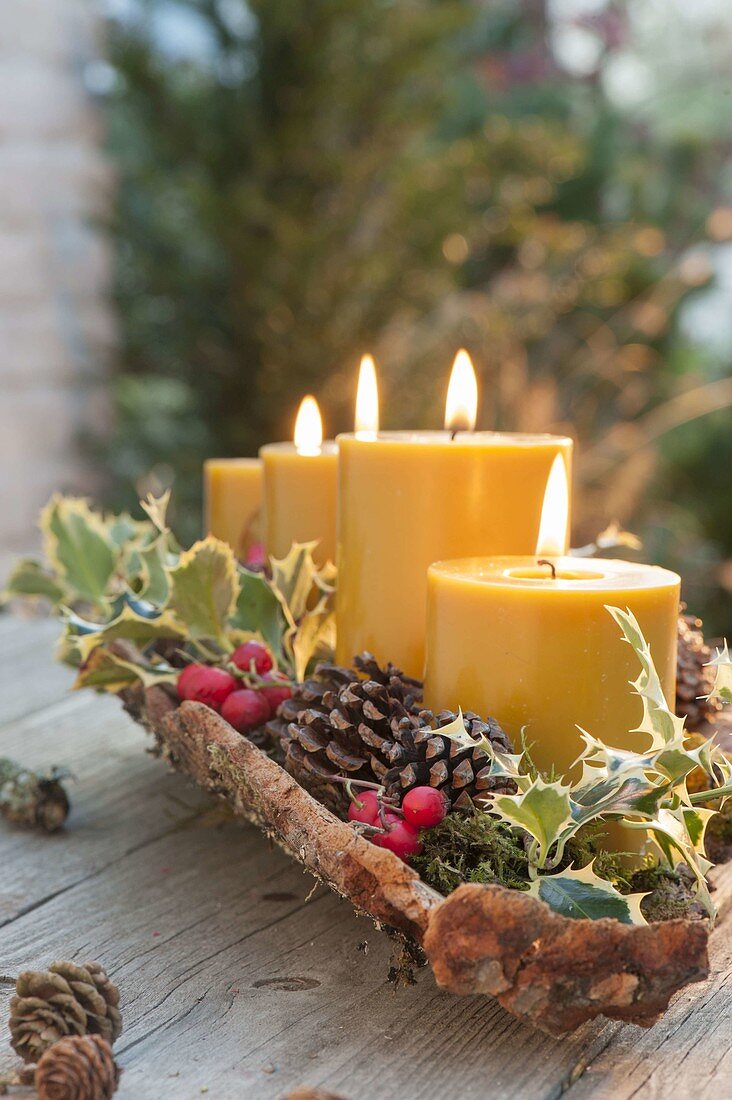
<point x="406" y="499"/>
<point x="530" y="640"/>
<point x="300" y="488"/>
<point x="505" y="638"/>
<point x="233" y="501"/>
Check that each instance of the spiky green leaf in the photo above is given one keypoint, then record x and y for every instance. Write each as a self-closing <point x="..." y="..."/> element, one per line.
<point x="79" y="547"/>
<point x="722" y="665"/>
<point x="583" y="895"/>
<point x="259" y="611"/>
<point x="29" y="579"/>
<point x="205" y="589"/>
<point x="543" y="810"/>
<point x="104" y="671"/>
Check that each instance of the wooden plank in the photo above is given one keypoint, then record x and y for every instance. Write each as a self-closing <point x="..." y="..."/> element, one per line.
<point x="30" y="678"/>
<point x="233" y="980"/>
<point x="121" y="798"/>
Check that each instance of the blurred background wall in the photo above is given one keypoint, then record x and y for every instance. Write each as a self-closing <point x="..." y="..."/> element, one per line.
<point x="55" y="320"/>
<point x="547" y="182"/>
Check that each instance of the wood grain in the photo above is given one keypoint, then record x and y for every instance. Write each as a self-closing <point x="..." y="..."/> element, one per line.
<point x="217" y="945"/>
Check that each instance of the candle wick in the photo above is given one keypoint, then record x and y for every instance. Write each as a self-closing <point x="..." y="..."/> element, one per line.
<point x="453" y="434"/>
<point x="552" y="566"/>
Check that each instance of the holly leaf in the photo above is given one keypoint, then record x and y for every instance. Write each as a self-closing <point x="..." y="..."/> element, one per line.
<point x="502" y="764"/>
<point x="153" y="573"/>
<point x="205" y="589"/>
<point x="30" y="580"/>
<point x="259" y="611"/>
<point x="292" y="579"/>
<point x="722" y="665"/>
<point x="156" y="508"/>
<point x="129" y="625"/>
<point x="313" y="639"/>
<point x="104" y="671"/>
<point x="543" y="810"/>
<point x="681" y="830"/>
<point x="658" y="720"/>
<point x="583" y="895"/>
<point x="79" y="547"/>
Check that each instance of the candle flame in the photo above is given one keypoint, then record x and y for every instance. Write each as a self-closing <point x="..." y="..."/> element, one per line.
<point x="308" y="427"/>
<point x="367" y="400"/>
<point x="461" y="407"/>
<point x="552" y="540"/>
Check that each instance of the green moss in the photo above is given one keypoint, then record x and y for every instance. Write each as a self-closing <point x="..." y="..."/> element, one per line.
<point x="670" y="893"/>
<point x="472" y="847"/>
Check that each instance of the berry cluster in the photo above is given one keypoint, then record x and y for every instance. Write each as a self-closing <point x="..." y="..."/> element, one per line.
<point x="244" y="708"/>
<point x="398" y="829"/>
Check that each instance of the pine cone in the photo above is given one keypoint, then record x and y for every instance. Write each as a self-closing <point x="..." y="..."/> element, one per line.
<point x="372" y="727"/>
<point x="64" y="1000"/>
<point x="34" y="801"/>
<point x="692" y="678"/>
<point x="77" y="1068"/>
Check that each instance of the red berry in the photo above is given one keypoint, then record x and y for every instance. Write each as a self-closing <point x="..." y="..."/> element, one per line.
<point x="245" y="710"/>
<point x="369" y="812"/>
<point x="253" y="652"/>
<point x="256" y="557"/>
<point x="401" y="839"/>
<point x="186" y="680"/>
<point x="424" y="807"/>
<point x="275" y="694"/>
<point x="206" y="684"/>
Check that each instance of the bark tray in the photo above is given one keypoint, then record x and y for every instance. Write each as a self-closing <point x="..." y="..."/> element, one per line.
<point x="541" y="967"/>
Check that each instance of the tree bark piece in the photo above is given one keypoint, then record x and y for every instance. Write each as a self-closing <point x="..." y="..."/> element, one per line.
<point x="542" y="967"/>
<point x="559" y="972"/>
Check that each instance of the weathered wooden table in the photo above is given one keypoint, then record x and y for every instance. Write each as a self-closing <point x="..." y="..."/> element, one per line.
<point x="240" y="980"/>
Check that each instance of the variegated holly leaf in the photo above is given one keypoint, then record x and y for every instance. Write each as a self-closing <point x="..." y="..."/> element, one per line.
<point x="156" y="508"/>
<point x="78" y="546"/>
<point x="29" y="579"/>
<point x="658" y="720"/>
<point x="129" y="625"/>
<point x="205" y="588"/>
<point x="680" y="832"/>
<point x="502" y="764"/>
<point x="313" y="640"/>
<point x="259" y="612"/>
<point x="543" y="810"/>
<point x="722" y="665"/>
<point x="105" y="671"/>
<point x="293" y="578"/>
<point x="154" y="564"/>
<point x="583" y="895"/>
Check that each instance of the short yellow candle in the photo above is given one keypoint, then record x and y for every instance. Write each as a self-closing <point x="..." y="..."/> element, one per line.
<point x="300" y="488"/>
<point x="233" y="501"/>
<point x="529" y="640"/>
<point x="505" y="639"/>
<point x="407" y="499"/>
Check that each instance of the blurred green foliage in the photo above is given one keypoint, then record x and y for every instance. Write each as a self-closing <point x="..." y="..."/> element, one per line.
<point x="315" y="180"/>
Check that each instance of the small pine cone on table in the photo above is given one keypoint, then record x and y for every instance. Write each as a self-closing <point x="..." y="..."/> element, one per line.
<point x="368" y="723"/>
<point x="80" y="1067"/>
<point x="693" y="679"/>
<point x="62" y="1001"/>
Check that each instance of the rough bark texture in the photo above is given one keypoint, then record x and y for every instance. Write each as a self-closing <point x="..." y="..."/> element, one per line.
<point x="556" y="972"/>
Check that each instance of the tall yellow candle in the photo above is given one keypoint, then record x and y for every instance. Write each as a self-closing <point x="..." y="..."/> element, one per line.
<point x="300" y="483"/>
<point x="534" y="645"/>
<point x="407" y="499"/>
<point x="233" y="501"/>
